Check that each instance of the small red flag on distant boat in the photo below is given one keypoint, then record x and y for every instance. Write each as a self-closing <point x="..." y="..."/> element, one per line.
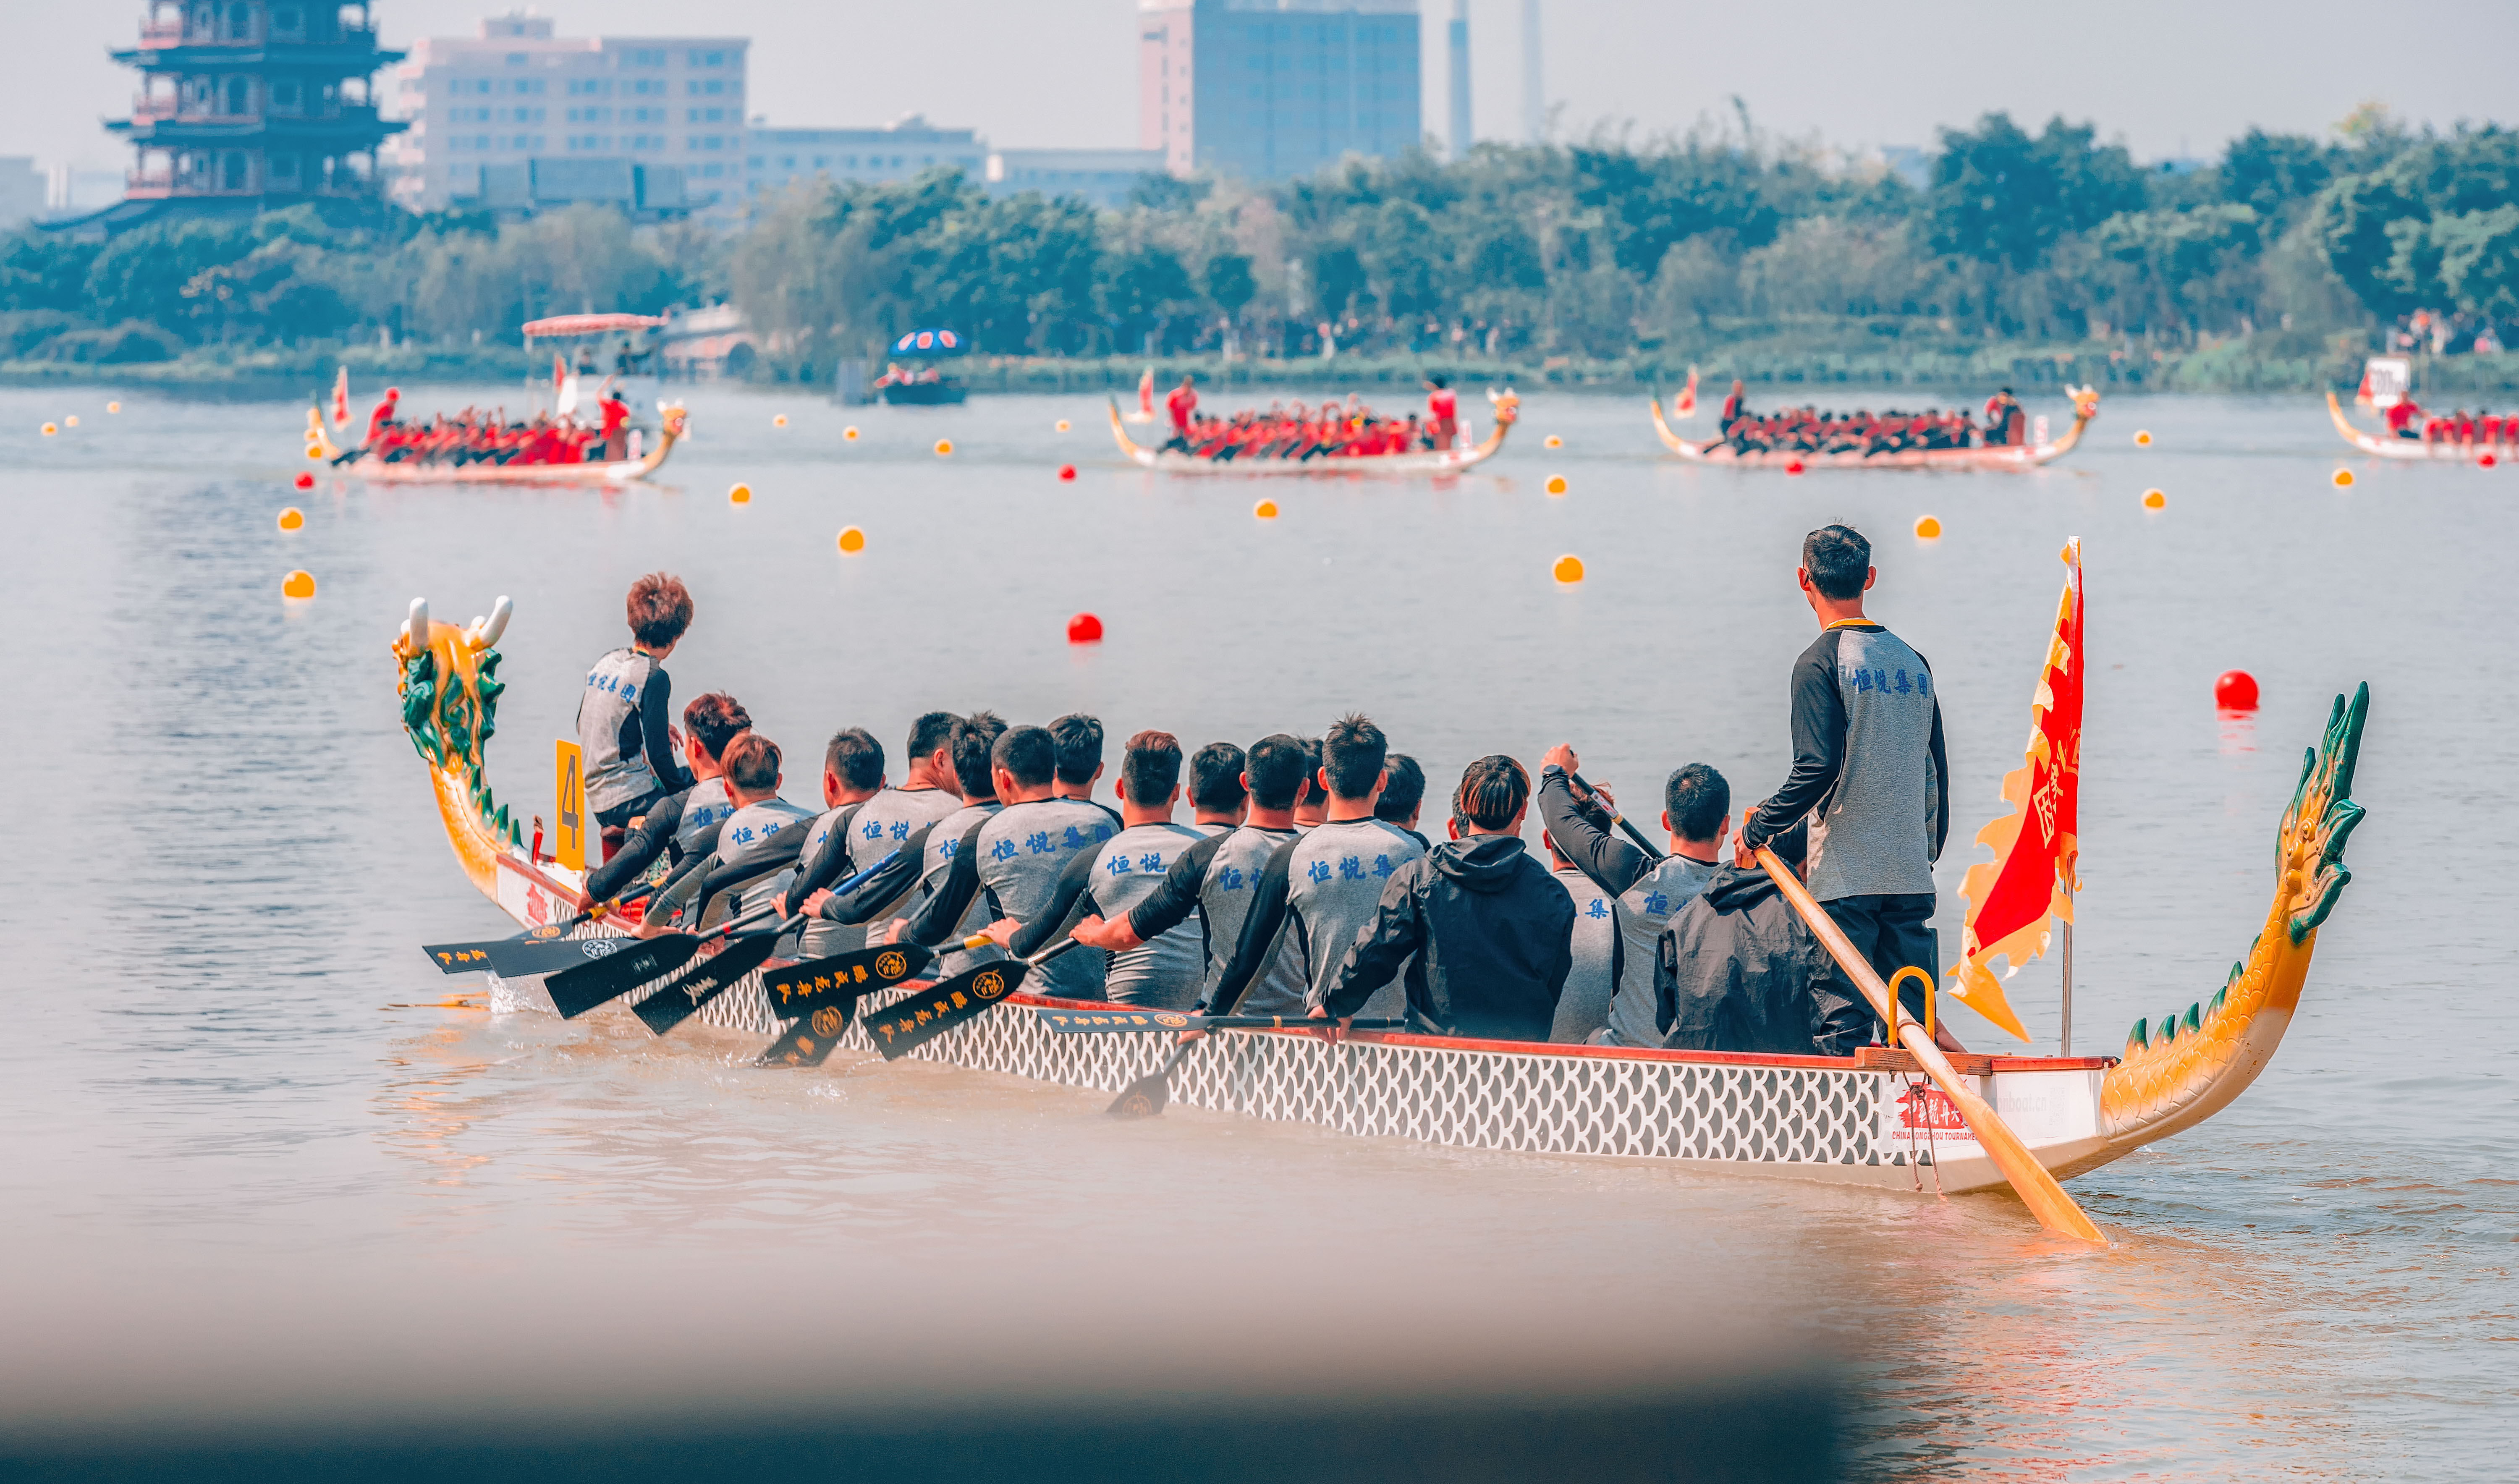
<point x="2014" y="898"/>
<point x="341" y="399"/>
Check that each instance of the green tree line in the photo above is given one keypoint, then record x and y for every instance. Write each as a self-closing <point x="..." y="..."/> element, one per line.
<point x="1597" y="249"/>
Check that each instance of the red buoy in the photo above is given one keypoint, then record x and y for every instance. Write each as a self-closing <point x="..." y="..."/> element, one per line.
<point x="2487" y="459"/>
<point x="305" y="481"/>
<point x="1067" y="471"/>
<point x="2235" y="690"/>
<point x="1085" y="628"/>
<point x="1793" y="466"/>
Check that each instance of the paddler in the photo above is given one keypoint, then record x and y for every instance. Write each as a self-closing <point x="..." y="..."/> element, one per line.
<point x="1180" y="404"/>
<point x="1475" y="929"/>
<point x="1597" y="945"/>
<point x="684" y="824"/>
<point x="928" y="856"/>
<point x="757" y="845"/>
<point x="1696" y="816"/>
<point x="1870" y="777"/>
<point x="1443" y="411"/>
<point x="622" y="728"/>
<point x="1218" y="878"/>
<point x="1079" y="761"/>
<point x="1165" y="973"/>
<point x="851" y="774"/>
<point x="1011" y="861"/>
<point x="1318" y="889"/>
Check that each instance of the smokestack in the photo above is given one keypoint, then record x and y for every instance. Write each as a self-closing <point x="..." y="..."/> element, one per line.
<point x="1460" y="93"/>
<point x="1534" y="91"/>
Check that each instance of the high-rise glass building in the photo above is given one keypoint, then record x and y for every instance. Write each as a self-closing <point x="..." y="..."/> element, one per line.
<point x="1265" y="89"/>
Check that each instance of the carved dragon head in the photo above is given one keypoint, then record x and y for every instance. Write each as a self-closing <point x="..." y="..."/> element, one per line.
<point x="449" y="703"/>
<point x="2086" y="401"/>
<point x="1508" y="404"/>
<point x="676" y="418"/>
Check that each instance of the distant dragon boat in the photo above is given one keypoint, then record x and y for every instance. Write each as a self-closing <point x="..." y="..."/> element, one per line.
<point x="1864" y="1120"/>
<point x="617" y="471"/>
<point x="1508" y="409"/>
<point x="2028" y="456"/>
<point x="2386" y="380"/>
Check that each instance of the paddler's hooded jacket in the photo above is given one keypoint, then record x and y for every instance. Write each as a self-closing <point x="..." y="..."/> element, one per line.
<point x="1491" y="933"/>
<point x="1738" y="971"/>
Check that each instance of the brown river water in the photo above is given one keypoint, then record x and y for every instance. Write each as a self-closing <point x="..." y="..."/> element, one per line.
<point x="268" y="1178"/>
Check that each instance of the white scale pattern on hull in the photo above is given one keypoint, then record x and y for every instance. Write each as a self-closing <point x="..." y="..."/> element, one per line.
<point x="1809" y="1122"/>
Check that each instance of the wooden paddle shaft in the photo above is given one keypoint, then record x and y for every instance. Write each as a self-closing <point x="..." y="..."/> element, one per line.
<point x="2038" y="1187"/>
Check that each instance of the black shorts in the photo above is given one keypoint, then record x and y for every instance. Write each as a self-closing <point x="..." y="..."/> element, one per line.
<point x="1891" y="932"/>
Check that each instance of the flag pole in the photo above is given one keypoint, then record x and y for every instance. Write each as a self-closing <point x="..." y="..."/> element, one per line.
<point x="2067" y="1048"/>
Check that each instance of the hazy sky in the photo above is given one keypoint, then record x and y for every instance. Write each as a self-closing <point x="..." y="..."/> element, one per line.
<point x="2163" y="74"/>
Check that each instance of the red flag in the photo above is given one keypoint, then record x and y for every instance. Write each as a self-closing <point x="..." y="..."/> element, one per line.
<point x="559" y="373"/>
<point x="341" y="399"/>
<point x="2012" y="898"/>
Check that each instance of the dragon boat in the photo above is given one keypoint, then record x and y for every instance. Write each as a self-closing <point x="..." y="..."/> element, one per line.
<point x="2028" y="456"/>
<point x="1867" y="1121"/>
<point x="2412" y="449"/>
<point x="616" y="471"/>
<point x="1508" y="409"/>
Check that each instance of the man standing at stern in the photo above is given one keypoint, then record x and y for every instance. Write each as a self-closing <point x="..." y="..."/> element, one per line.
<point x="1870" y="775"/>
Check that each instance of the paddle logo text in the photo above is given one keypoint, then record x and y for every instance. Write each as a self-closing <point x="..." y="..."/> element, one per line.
<point x="830" y="1020"/>
<point x="891" y="966"/>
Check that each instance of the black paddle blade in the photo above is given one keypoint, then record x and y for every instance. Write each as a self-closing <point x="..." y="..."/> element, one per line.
<point x="809" y="1043"/>
<point x="1149" y="1095"/>
<point x="908" y="1023"/>
<point x="575" y="991"/>
<point x="522" y="957"/>
<point x="840" y="979"/>
<point x="680" y="1000"/>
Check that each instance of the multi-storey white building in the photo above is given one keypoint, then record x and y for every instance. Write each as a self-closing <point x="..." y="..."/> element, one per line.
<point x="518" y="95"/>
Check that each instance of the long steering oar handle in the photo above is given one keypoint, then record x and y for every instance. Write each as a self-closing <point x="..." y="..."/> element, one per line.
<point x="2038" y="1187"/>
<point x="1620" y="820"/>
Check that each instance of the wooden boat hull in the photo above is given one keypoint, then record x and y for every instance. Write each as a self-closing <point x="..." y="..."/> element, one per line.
<point x="1867" y="1121"/>
<point x="2414" y="450"/>
<point x="1716" y="451"/>
<point x="1450" y="461"/>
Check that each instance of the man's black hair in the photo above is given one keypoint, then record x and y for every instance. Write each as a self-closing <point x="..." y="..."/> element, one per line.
<point x="973" y="737"/>
<point x="1437" y="378"/>
<point x="1698" y="799"/>
<point x="714" y="719"/>
<point x="1407" y="790"/>
<point x="930" y="732"/>
<point x="1079" y="738"/>
<point x="1278" y="763"/>
<point x="1029" y="752"/>
<point x="1837" y="558"/>
<point x="1216" y="778"/>
<point x="1312" y="765"/>
<point x="752" y="763"/>
<point x="1352" y="752"/>
<point x="1150" y="767"/>
<point x="1493" y="790"/>
<point x="856" y="757"/>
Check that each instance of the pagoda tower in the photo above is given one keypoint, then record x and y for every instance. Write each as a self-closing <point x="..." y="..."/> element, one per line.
<point x="252" y="104"/>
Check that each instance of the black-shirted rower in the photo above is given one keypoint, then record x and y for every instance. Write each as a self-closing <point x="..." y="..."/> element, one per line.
<point x="1404" y="798"/>
<point x="851" y="773"/>
<point x="1079" y="738"/>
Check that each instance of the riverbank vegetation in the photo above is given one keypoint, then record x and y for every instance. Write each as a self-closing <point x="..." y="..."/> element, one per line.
<point x="2024" y="255"/>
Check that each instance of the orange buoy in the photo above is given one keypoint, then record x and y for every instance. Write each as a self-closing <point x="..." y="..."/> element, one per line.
<point x="1792" y="466"/>
<point x="314" y="451"/>
<point x="1265" y="510"/>
<point x="2235" y="690"/>
<point x="852" y="539"/>
<point x="114" y="407"/>
<point x="72" y="422"/>
<point x="1062" y="424"/>
<point x="1556" y="484"/>
<point x="1552" y="441"/>
<point x="1928" y="529"/>
<point x="944" y="448"/>
<point x="2154" y="500"/>
<point x="740" y="495"/>
<point x="2344" y="479"/>
<point x="2142" y="439"/>
<point x="849" y="433"/>
<point x="50" y="430"/>
<point x="291" y="517"/>
<point x="304" y="481"/>
<point x="1569" y="570"/>
<point x="1067" y="471"/>
<point x="1085" y="628"/>
<point x="299" y="584"/>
